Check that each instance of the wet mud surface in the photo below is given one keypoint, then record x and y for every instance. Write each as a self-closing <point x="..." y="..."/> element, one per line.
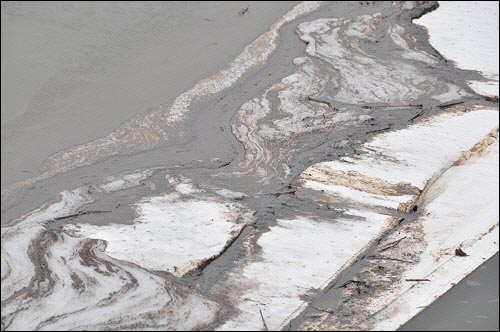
<point x="339" y="75"/>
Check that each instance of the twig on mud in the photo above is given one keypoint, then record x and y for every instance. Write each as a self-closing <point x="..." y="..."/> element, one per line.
<point x="416" y="105"/>
<point x="351" y="282"/>
<point x="391" y="106"/>
<point x="417" y="116"/>
<point x="358" y="283"/>
<point x="378" y="130"/>
<point x="392" y="244"/>
<point x="417" y="280"/>
<point x="331" y="286"/>
<point x="389" y="259"/>
<point x="79" y="214"/>
<point x="321" y="102"/>
<point x="263" y="320"/>
<point x="291" y="192"/>
<point x="328" y="311"/>
<point x="450" y="104"/>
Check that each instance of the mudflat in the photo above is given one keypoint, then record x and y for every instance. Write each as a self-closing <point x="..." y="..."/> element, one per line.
<point x="261" y="166"/>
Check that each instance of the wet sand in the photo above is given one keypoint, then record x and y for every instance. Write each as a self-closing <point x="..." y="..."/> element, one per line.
<point x="83" y="86"/>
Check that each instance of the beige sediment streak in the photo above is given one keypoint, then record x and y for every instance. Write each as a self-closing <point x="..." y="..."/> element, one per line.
<point x="252" y="55"/>
<point x="451" y="170"/>
<point x="145" y="131"/>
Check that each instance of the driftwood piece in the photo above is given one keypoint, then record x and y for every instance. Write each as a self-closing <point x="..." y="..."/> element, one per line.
<point x="417" y="280"/>
<point x="419" y="114"/>
<point x="80" y="213"/>
<point x="392" y="244"/>
<point x="450" y="104"/>
<point x="378" y="130"/>
<point x="279" y="193"/>
<point x="263" y="320"/>
<point x="243" y="11"/>
<point x="315" y="100"/>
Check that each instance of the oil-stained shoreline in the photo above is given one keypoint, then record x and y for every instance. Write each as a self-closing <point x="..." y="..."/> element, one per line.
<point x="210" y="156"/>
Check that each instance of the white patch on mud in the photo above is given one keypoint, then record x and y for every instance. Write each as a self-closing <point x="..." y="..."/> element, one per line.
<point x="297" y="256"/>
<point x="454" y="157"/>
<point x="467" y="33"/>
<point x="171" y="233"/>
<point x="489" y="88"/>
<point x="417" y="153"/>
<point x="461" y="211"/>
<point x="81" y="288"/>
<point x="339" y="42"/>
<point x="76" y="278"/>
<point x="358" y="196"/>
<point x="126" y="181"/>
<point x="226" y="193"/>
<point x="17" y="267"/>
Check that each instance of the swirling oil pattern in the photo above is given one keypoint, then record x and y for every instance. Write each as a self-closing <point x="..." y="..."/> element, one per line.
<point x="301" y="186"/>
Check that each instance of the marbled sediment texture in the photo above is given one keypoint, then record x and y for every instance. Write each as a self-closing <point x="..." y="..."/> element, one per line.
<point x="330" y="161"/>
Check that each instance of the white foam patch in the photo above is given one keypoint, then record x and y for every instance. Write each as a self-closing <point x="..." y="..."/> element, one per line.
<point x="230" y="194"/>
<point x="419" y="152"/>
<point x="17" y="268"/>
<point x="171" y="234"/>
<point x="186" y="188"/>
<point x="337" y="42"/>
<point x="297" y="255"/>
<point x="461" y="211"/>
<point x="489" y="88"/>
<point x="467" y="33"/>
<point x="117" y="183"/>
<point x="103" y="295"/>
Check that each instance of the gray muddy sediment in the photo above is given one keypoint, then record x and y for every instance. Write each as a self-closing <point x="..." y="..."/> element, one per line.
<point x="333" y="76"/>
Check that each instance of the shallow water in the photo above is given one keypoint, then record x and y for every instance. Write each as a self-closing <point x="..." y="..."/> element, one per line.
<point x="472" y="305"/>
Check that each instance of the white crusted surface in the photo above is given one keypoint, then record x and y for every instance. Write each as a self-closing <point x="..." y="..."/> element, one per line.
<point x="467" y="33"/>
<point x="297" y="255"/>
<point x="461" y="211"/>
<point x="422" y="150"/>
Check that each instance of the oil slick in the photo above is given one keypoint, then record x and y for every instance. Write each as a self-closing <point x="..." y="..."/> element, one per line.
<point x="146" y="131"/>
<point x="339" y="59"/>
<point x="262" y="241"/>
<point x="53" y="279"/>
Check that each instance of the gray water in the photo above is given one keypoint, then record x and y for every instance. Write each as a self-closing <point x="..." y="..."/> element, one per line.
<point x="472" y="305"/>
<point x="72" y="72"/>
